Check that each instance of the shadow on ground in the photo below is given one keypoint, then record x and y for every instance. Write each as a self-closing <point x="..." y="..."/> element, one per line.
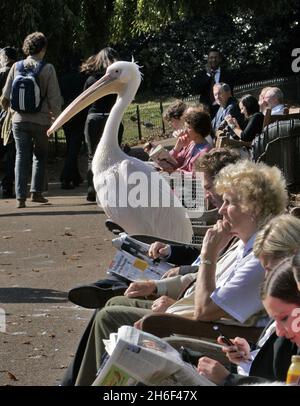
<point x="48" y="213"/>
<point x="31" y="295"/>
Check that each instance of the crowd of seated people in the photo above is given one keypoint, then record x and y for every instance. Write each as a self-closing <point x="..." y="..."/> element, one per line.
<point x="218" y="295"/>
<point x="240" y="120"/>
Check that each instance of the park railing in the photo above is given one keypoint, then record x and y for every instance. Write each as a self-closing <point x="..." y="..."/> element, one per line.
<point x="144" y="122"/>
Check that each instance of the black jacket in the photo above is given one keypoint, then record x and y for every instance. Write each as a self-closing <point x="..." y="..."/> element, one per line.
<point x="201" y="84"/>
<point x="183" y="254"/>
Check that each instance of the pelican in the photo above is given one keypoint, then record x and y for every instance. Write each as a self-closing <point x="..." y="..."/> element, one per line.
<point x="123" y="183"/>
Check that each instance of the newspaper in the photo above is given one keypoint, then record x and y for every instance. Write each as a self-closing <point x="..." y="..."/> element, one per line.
<point x="162" y="157"/>
<point x="132" y="261"/>
<point x="139" y="357"/>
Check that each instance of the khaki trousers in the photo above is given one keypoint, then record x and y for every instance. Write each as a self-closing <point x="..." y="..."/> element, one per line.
<point x="118" y="311"/>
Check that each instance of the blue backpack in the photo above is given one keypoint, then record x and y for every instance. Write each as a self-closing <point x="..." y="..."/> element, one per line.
<point x="25" y="94"/>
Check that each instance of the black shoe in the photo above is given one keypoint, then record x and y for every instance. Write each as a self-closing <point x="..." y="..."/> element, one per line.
<point x="93" y="296"/>
<point x="91" y="195"/>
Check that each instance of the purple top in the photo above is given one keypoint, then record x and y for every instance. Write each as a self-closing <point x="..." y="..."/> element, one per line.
<point x="188" y="155"/>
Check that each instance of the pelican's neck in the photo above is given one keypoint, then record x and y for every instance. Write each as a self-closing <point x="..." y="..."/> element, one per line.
<point x="111" y="130"/>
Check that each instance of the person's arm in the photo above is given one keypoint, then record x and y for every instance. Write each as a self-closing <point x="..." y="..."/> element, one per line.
<point x="5" y="98"/>
<point x="183" y="254"/>
<point x="53" y="93"/>
<point x="185" y="269"/>
<point x="175" y="285"/>
<point x="180" y="150"/>
<point x="234" y="111"/>
<point x="215" y="239"/>
<point x="205" y="307"/>
<point x="253" y="128"/>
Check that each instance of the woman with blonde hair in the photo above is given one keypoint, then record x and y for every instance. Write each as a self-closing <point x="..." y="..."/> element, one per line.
<point x="277" y="240"/>
<point x="257" y="187"/>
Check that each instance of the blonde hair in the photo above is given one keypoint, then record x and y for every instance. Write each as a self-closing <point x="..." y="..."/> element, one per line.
<point x="296" y="268"/>
<point x="280" y="237"/>
<point x="258" y="188"/>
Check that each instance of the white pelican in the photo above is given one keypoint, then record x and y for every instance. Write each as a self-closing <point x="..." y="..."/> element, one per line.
<point x="123" y="183"/>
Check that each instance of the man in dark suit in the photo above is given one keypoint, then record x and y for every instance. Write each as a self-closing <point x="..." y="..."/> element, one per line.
<point x="214" y="73"/>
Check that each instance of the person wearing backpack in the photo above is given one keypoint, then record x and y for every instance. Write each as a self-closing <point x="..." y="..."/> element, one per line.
<point x="32" y="91"/>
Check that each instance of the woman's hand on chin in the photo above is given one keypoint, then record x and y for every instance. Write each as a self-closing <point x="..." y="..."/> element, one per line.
<point x="216" y="238"/>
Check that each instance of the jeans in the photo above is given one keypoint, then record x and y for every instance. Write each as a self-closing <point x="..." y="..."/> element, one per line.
<point x="30" y="138"/>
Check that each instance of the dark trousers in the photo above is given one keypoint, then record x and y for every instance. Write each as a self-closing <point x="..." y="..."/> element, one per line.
<point x="71" y="374"/>
<point x="74" y="138"/>
<point x="93" y="131"/>
<point x="9" y="167"/>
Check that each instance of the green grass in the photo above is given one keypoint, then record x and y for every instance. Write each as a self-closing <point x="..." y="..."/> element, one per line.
<point x="151" y="123"/>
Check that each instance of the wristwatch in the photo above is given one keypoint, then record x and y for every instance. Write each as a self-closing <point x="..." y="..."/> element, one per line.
<point x="207" y="261"/>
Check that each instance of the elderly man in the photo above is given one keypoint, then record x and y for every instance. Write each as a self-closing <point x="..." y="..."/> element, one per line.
<point x="228" y="106"/>
<point x="273" y="99"/>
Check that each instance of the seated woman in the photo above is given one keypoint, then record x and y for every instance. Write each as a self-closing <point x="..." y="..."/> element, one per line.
<point x="277" y="240"/>
<point x="192" y="143"/>
<point x="280" y="340"/>
<point x="254" y="119"/>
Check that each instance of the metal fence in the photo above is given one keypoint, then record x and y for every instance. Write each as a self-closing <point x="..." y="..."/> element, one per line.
<point x="144" y="122"/>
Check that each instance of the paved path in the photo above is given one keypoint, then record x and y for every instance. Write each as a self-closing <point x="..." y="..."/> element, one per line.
<point x="44" y="251"/>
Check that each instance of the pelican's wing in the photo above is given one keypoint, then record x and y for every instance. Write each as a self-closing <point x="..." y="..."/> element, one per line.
<point x="145" y="204"/>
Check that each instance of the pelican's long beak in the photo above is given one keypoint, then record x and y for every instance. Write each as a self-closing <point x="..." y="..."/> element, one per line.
<point x="102" y="87"/>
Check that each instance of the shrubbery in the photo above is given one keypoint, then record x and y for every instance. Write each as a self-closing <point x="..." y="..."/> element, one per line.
<point x="255" y="50"/>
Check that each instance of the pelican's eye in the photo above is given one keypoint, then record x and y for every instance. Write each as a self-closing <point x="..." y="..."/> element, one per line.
<point x="117" y="71"/>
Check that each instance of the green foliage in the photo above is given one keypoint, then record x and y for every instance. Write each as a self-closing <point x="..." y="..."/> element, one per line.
<point x="169" y="38"/>
<point x="254" y="48"/>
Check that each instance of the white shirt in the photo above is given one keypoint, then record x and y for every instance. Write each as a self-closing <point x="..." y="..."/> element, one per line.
<point x="217" y="75"/>
<point x="238" y="278"/>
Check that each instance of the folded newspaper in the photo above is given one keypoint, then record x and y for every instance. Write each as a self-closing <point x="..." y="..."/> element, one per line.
<point x="132" y="261"/>
<point x="139" y="357"/>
